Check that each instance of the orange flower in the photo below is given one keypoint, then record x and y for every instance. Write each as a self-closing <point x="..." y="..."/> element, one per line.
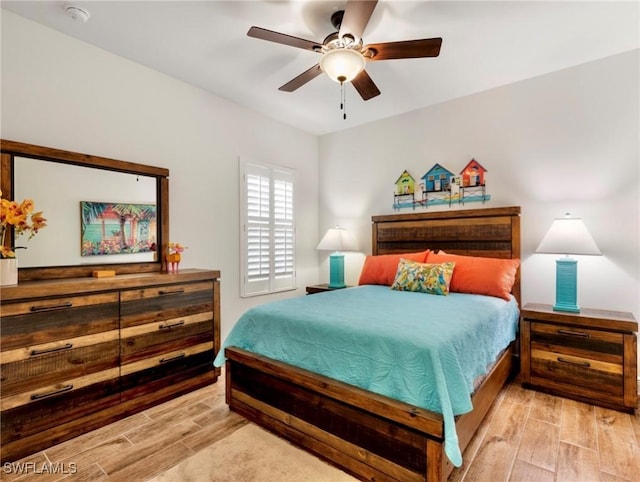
<point x="176" y="248"/>
<point x="17" y="216"/>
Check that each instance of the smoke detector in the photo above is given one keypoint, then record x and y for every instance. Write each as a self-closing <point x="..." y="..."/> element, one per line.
<point x="77" y="13"/>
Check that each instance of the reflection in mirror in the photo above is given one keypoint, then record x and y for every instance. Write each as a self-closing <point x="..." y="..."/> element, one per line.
<point x="57" y="189"/>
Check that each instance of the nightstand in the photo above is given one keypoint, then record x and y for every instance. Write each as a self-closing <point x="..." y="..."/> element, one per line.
<point x="589" y="356"/>
<point x="321" y="288"/>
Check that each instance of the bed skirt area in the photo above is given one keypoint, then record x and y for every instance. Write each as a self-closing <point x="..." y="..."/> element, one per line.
<point x="370" y="436"/>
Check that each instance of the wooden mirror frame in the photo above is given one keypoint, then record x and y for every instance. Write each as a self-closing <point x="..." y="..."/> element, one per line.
<point x="12" y="149"/>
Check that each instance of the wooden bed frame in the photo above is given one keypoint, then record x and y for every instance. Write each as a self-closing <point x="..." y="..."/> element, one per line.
<point x="371" y="436"/>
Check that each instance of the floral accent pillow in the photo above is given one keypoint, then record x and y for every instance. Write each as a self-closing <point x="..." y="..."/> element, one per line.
<point x="423" y="277"/>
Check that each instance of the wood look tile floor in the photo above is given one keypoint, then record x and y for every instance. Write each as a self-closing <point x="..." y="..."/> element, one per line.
<point x="527" y="436"/>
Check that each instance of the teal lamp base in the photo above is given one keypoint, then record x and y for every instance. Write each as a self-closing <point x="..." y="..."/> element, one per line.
<point x="566" y="285"/>
<point x="336" y="271"/>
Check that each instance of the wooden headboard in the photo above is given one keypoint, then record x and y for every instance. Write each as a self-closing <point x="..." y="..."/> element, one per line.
<point x="490" y="232"/>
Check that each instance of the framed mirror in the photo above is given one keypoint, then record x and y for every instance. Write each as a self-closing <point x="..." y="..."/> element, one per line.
<point x="101" y="213"/>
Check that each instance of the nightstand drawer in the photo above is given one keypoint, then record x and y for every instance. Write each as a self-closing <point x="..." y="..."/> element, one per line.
<point x="579" y="371"/>
<point x="581" y="342"/>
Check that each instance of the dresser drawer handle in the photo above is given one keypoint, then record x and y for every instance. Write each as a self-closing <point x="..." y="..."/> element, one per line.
<point x="38" y="396"/>
<point x="68" y="346"/>
<point x="168" y="326"/>
<point x="571" y="362"/>
<point x="581" y="334"/>
<point x="60" y="306"/>
<point x="173" y="358"/>
<point x="172" y="292"/>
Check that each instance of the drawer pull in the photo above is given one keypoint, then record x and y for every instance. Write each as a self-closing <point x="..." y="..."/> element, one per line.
<point x="581" y="334"/>
<point x="38" y="396"/>
<point x="571" y="362"/>
<point x="172" y="292"/>
<point x="168" y="326"/>
<point x="60" y="306"/>
<point x="173" y="358"/>
<point x="68" y="346"/>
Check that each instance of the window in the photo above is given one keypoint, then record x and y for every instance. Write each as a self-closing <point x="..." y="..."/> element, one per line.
<point x="267" y="229"/>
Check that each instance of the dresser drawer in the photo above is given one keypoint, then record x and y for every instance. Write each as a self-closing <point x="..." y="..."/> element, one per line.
<point x="58" y="404"/>
<point x="32" y="368"/>
<point x="159" y="303"/>
<point x="38" y="322"/>
<point x="144" y="341"/>
<point x="160" y="373"/>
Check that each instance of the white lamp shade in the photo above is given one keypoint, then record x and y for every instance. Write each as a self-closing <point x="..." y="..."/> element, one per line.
<point x="568" y="236"/>
<point x="342" y="65"/>
<point x="338" y="239"/>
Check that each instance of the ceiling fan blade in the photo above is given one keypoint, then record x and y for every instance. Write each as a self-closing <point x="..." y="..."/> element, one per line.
<point x="302" y="79"/>
<point x="365" y="86"/>
<point x="408" y="49"/>
<point x="281" y="38"/>
<point x="356" y="17"/>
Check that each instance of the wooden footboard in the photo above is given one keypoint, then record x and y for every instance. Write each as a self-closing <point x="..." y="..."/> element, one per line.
<point x="369" y="436"/>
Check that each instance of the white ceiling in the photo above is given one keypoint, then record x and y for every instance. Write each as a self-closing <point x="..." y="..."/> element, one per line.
<point x="485" y="45"/>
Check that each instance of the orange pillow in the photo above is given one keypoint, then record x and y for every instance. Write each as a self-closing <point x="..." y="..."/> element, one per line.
<point x="481" y="276"/>
<point x="381" y="269"/>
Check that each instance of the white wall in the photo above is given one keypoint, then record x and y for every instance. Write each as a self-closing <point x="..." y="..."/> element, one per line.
<point x="566" y="141"/>
<point x="63" y="93"/>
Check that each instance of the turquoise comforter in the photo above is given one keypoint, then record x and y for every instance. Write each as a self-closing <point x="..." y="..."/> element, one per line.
<point x="422" y="349"/>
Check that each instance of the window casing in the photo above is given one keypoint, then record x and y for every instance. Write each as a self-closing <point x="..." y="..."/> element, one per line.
<point x="267" y="229"/>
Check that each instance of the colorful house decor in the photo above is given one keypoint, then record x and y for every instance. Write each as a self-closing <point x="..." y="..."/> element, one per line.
<point x="440" y="185"/>
<point x="473" y="174"/>
<point x="437" y="179"/>
<point x="405" y="184"/>
<point x="405" y="190"/>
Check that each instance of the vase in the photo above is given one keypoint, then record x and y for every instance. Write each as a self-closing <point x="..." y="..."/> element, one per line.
<point x="8" y="271"/>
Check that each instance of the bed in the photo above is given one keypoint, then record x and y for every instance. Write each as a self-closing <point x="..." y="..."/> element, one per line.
<point x="366" y="432"/>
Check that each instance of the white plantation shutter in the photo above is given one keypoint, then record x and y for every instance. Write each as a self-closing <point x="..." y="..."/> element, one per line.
<point x="267" y="229"/>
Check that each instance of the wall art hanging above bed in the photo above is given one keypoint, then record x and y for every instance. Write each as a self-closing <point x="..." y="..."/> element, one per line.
<point x="440" y="186"/>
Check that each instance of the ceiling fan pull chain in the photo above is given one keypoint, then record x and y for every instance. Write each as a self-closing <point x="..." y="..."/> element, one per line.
<point x="343" y="101"/>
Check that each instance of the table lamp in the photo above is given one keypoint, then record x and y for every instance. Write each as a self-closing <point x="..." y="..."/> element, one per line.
<point x="567" y="236"/>
<point x="337" y="239"/>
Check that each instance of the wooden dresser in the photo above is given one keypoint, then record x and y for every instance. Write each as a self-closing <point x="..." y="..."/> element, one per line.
<point x="588" y="356"/>
<point x="77" y="354"/>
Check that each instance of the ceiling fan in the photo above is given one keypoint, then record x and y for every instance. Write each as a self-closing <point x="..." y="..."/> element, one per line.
<point x="344" y="55"/>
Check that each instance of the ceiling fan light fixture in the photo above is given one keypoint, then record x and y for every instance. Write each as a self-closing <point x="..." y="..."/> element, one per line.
<point x="342" y="64"/>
